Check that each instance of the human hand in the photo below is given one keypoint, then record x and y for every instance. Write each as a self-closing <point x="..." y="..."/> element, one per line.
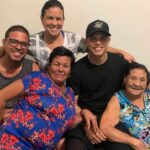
<point x="94" y="138"/>
<point x="139" y="145"/>
<point x="90" y="119"/>
<point x="1" y="115"/>
<point x="61" y="144"/>
<point x="78" y="119"/>
<point x="7" y="113"/>
<point x="130" y="58"/>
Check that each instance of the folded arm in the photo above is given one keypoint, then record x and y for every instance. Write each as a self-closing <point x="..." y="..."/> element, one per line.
<point x="9" y="92"/>
<point x="107" y="124"/>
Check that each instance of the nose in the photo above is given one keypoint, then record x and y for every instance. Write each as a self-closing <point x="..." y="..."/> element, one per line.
<point x="19" y="46"/>
<point x="54" y="22"/>
<point x="98" y="42"/>
<point x="61" y="68"/>
<point x="137" y="82"/>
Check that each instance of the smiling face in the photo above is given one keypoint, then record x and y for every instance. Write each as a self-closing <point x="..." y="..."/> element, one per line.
<point x="53" y="20"/>
<point x="97" y="44"/>
<point x="136" y="82"/>
<point x="59" y="69"/>
<point x="16" y="45"/>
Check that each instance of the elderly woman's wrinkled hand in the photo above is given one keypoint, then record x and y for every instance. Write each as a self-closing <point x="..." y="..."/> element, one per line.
<point x="94" y="138"/>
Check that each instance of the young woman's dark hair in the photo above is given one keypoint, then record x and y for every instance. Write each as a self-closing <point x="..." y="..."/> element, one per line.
<point x="49" y="4"/>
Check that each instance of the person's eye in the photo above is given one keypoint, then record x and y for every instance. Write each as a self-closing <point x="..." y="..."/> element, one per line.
<point x="56" y="64"/>
<point x="142" y="80"/>
<point x="50" y="18"/>
<point x="59" y="18"/>
<point x="13" y="41"/>
<point x="66" y="66"/>
<point x="24" y="44"/>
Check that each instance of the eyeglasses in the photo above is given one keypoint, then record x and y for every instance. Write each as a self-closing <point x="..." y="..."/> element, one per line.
<point x="15" y="43"/>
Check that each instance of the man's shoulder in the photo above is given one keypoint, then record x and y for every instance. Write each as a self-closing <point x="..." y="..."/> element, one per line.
<point x="27" y="61"/>
<point x="82" y="60"/>
<point x="116" y="58"/>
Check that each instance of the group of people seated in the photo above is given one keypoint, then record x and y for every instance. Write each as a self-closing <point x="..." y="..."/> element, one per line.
<point x="100" y="102"/>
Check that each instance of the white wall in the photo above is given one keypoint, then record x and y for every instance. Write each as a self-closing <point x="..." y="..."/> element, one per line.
<point x="129" y="20"/>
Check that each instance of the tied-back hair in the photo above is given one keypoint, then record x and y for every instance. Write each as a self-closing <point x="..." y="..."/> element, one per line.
<point x="14" y="28"/>
<point x="50" y="4"/>
<point x="136" y="65"/>
<point x="60" y="51"/>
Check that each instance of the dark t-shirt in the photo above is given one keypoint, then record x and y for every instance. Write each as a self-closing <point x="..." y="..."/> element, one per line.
<point x="4" y="81"/>
<point x="95" y="84"/>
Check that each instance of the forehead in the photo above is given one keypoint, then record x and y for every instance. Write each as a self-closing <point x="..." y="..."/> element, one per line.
<point x="54" y="11"/>
<point x="18" y="35"/>
<point x="138" y="72"/>
<point x="62" y="59"/>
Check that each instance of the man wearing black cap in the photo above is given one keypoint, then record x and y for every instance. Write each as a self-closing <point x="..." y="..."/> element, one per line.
<point x="95" y="78"/>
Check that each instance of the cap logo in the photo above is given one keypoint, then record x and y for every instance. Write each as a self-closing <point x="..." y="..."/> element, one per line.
<point x="98" y="24"/>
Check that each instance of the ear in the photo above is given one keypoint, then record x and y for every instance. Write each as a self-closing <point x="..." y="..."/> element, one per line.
<point x="3" y="42"/>
<point x="124" y="80"/>
<point x="42" y="20"/>
<point x="109" y="40"/>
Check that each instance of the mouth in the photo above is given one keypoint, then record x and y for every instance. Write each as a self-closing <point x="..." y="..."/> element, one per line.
<point x="98" y="49"/>
<point x="60" y="75"/>
<point x="136" y="88"/>
<point x="17" y="53"/>
<point x="53" y="28"/>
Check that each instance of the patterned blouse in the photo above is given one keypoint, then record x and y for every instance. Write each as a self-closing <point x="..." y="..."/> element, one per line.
<point x="40" y="118"/>
<point x="136" y="120"/>
<point x="39" y="50"/>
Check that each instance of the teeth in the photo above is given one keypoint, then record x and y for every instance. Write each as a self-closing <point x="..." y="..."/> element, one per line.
<point x="17" y="54"/>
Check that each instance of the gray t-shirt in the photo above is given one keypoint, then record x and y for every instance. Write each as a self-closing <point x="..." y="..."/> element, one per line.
<point x="4" y="81"/>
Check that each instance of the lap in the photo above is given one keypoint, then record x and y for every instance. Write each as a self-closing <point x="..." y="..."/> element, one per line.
<point x="76" y="137"/>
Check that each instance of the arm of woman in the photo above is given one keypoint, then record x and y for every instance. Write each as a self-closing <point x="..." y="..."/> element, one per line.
<point x="108" y="121"/>
<point x="35" y="67"/>
<point x="78" y="117"/>
<point x="12" y="90"/>
<point x="127" y="56"/>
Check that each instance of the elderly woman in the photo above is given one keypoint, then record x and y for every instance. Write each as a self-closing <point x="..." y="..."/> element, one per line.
<point x="46" y="109"/>
<point x="131" y="106"/>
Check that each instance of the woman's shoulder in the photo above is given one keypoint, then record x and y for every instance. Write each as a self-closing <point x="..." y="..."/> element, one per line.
<point x="34" y="35"/>
<point x="37" y="74"/>
<point x="72" y="35"/>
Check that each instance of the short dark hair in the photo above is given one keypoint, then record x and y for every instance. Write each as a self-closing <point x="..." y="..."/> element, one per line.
<point x="49" y="4"/>
<point x="14" y="28"/>
<point x="60" y="51"/>
<point x="136" y="65"/>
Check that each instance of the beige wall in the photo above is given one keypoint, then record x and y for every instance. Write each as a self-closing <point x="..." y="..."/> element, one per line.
<point x="129" y="20"/>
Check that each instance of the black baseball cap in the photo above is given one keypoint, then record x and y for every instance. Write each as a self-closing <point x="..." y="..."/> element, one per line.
<point x="97" y="25"/>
